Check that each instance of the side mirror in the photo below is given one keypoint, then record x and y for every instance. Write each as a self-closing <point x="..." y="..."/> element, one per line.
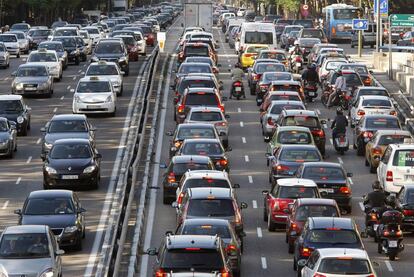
<point x="99" y="156"/>
<point x="227" y="116"/>
<point x="182" y="25"/>
<point x="18" y="211"/>
<point x="324" y="194"/>
<point x="323" y="121"/>
<point x="302" y="263"/>
<point x="163" y="165"/>
<point x="236" y="186"/>
<point x="169" y="133"/>
<point x="59" y="252"/>
<point x="371" y="72"/>
<point x="265" y="192"/>
<point x="151" y="251"/>
<point x="349" y="174"/>
<point x="174" y="204"/>
<point x="243" y="205"/>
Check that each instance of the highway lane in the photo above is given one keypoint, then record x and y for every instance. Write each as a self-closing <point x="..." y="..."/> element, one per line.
<point x="265" y="252"/>
<point x="23" y="173"/>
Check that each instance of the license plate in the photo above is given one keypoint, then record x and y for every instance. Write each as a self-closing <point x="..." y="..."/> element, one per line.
<point x="291" y="172"/>
<point x="29" y="88"/>
<point x="327" y="190"/>
<point x="392" y="243"/>
<point x="375" y="227"/>
<point x="70" y="177"/>
<point x="298" y="64"/>
<point x="92" y="107"/>
<point x="311" y="93"/>
<point x="409" y="177"/>
<point x="238" y="89"/>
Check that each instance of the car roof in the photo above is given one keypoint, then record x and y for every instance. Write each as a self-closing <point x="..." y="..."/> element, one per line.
<point x="205" y="193"/>
<point x="188" y="241"/>
<point x="214" y="174"/>
<point x="372" y="97"/>
<point x="206" y="221"/>
<point x="322" y="164"/>
<point x="204" y="140"/>
<point x="69" y="116"/>
<point x="205" y="109"/>
<point x="32" y="65"/>
<point x="295" y="182"/>
<point x="283" y="92"/>
<point x="392" y="132"/>
<point x="285" y="82"/>
<point x="371" y="88"/>
<point x="23" y="229"/>
<point x="201" y="89"/>
<point x="103" y="63"/>
<point x="72" y="141"/>
<point x="300" y="112"/>
<point x="331" y="222"/>
<point x="10" y="97"/>
<point x="197" y="77"/>
<point x="190" y="158"/>
<point x="94" y="79"/>
<point x="343" y="253"/>
<point x="54" y="193"/>
<point x="195" y="125"/>
<point x="316" y="201"/>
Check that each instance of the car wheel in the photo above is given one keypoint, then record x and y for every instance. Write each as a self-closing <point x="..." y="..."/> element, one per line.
<point x="15" y="147"/>
<point x="265" y="218"/>
<point x="77" y="60"/>
<point x="352" y="45"/>
<point x="18" y="55"/>
<point x="295" y="265"/>
<point x="271" y="226"/>
<point x="127" y="72"/>
<point x="95" y="185"/>
<point x="360" y="149"/>
<point x="45" y="186"/>
<point x="290" y="248"/>
<point x="372" y="169"/>
<point x="78" y="245"/>
<point x="121" y="91"/>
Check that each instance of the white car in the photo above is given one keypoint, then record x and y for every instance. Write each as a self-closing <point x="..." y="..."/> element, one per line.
<point x="328" y="65"/>
<point x="338" y="262"/>
<point x="22" y="40"/>
<point x="94" y="95"/>
<point x="241" y="12"/>
<point x="48" y="58"/>
<point x="396" y="168"/>
<point x="369" y="105"/>
<point x="86" y="40"/>
<point x="109" y="70"/>
<point x="12" y="44"/>
<point x="94" y="33"/>
<point x="4" y="57"/>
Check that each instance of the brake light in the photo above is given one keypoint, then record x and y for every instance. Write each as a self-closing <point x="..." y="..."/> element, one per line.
<point x="160" y="273"/>
<point x="221" y="107"/>
<point x="319" y="133"/>
<point x="256" y="77"/>
<point x="237" y="84"/>
<point x="224" y="273"/>
<point x="374" y="217"/>
<point x="393" y="113"/>
<point x="345" y="190"/>
<point x="305" y="252"/>
<point x="412" y="40"/>
<point x="408" y="212"/>
<point x="193" y="249"/>
<point x="298" y="59"/>
<point x="231" y="249"/>
<point x="389" y="177"/>
<point x="367" y="81"/>
<point x="223" y="162"/>
<point x="171" y="177"/>
<point x="177" y="144"/>
<point x="294" y="226"/>
<point x="248" y="55"/>
<point x="318" y="275"/>
<point x="270" y="122"/>
<point x="180" y="109"/>
<point x="221" y="124"/>
<point x="368" y="134"/>
<point x="398" y="233"/>
<point x="386" y="233"/>
<point x="280" y="167"/>
<point x="180" y="198"/>
<point x="376" y="151"/>
<point x="361" y="113"/>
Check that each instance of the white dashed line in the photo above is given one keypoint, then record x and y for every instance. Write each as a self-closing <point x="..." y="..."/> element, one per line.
<point x="325" y="126"/>
<point x="80" y="70"/>
<point x="241" y="124"/>
<point x="18" y="180"/>
<point x="331" y="141"/>
<point x="55" y="110"/>
<point x="72" y="90"/>
<point x="259" y="232"/>
<point x="318" y="111"/>
<point x="63" y="97"/>
<point x="38" y="141"/>
<point x="243" y="139"/>
<point x="29" y="159"/>
<point x="254" y="202"/>
<point x="264" y="263"/>
<point x="246" y="158"/>
<point x="340" y="160"/>
<point x="5" y="205"/>
<point x="229" y="65"/>
<point x="68" y="87"/>
<point x="238" y="110"/>
<point x="361" y="205"/>
<point x="250" y="179"/>
<point x="350" y="181"/>
<point x="389" y="267"/>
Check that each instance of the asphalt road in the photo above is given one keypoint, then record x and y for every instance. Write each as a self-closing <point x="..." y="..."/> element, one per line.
<point x="23" y="173"/>
<point x="266" y="253"/>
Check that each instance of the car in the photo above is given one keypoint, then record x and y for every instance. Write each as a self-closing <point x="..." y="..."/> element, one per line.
<point x="109" y="70"/>
<point x="336" y="261"/>
<point x="266" y="79"/>
<point x="72" y="162"/>
<point x="368" y="37"/>
<point x="369" y="125"/>
<point x="71" y="47"/>
<point x="59" y="23"/>
<point x="371" y="105"/>
<point x="94" y="95"/>
<point x="326" y="232"/>
<point x="221" y="228"/>
<point x="48" y="58"/>
<point x="112" y="50"/>
<point x="330" y="65"/>
<point x="37" y="36"/>
<point x="63" y="126"/>
<point x="190" y="253"/>
<point x="210" y="61"/>
<point x="287" y="29"/>
<point x="11" y="43"/>
<point x="255" y="72"/>
<point x="269" y="118"/>
<point x="84" y="49"/>
<point x="207" y="147"/>
<point x="199" y="38"/>
<point x="305" y="118"/>
<point x="60" y="51"/>
<point x="406" y="205"/>
<point x="316" y="49"/>
<point x="37" y="245"/>
<point x="22" y="27"/>
<point x="301" y="209"/>
<point x="271" y="96"/>
<point x="178" y="166"/>
<point x="289" y="135"/>
<point x="307" y="44"/>
<point x="406" y="39"/>
<point x="8" y="137"/>
<point x="61" y="210"/>
<point x="131" y="45"/>
<point x="196" y="97"/>
<point x="195" y="49"/>
<point x="188" y="131"/>
<point x="14" y="108"/>
<point x="22" y="40"/>
<point x="141" y="44"/>
<point x="306" y="23"/>
<point x="66" y="31"/>
<point x="248" y="56"/>
<point x="287" y="86"/>
<point x="284" y="192"/>
<point x="94" y="33"/>
<point x="211" y="115"/>
<point x="4" y="56"/>
<point x="313" y="33"/>
<point x="32" y="79"/>
<point x="375" y="148"/>
<point x="332" y="180"/>
<point x="361" y="69"/>
<point x="368" y="90"/>
<point x="212" y="202"/>
<point x="192" y="68"/>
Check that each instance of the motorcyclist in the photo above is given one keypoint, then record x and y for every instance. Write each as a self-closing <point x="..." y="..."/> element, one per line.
<point x="309" y="75"/>
<point x="237" y="75"/>
<point x="296" y="49"/>
<point x="376" y="198"/>
<point x="340" y="85"/>
<point x="339" y="124"/>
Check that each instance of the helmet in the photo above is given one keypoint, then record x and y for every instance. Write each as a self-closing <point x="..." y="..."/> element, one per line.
<point x="376" y="185"/>
<point x="339" y="111"/>
<point x="392" y="200"/>
<point x="296" y="43"/>
<point x="311" y="65"/>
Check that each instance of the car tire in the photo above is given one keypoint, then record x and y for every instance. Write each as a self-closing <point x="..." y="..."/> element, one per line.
<point x="372" y="169"/>
<point x="127" y="72"/>
<point x="166" y="200"/>
<point x="295" y="264"/>
<point x="366" y="162"/>
<point x="379" y="247"/>
<point x="291" y="247"/>
<point x="24" y="132"/>
<point x="121" y="91"/>
<point x="11" y="152"/>
<point x="113" y="114"/>
<point x="360" y="149"/>
<point x="45" y="187"/>
<point x="15" y="147"/>
<point x="84" y="58"/>
<point x="77" y="60"/>
<point x="265" y="218"/>
<point x="78" y="244"/>
<point x="352" y="45"/>
<point x="18" y="55"/>
<point x="271" y="226"/>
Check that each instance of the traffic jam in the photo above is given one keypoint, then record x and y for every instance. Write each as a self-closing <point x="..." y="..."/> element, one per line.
<point x="315" y="107"/>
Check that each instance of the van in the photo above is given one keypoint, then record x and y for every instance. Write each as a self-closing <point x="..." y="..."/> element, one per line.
<point x="256" y="33"/>
<point x="368" y="36"/>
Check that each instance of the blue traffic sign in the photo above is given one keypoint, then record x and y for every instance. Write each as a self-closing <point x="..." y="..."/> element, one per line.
<point x="359" y="24"/>
<point x="383" y="7"/>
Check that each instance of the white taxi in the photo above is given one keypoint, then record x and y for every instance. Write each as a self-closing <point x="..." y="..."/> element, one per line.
<point x="109" y="70"/>
<point x="371" y="104"/>
<point x="94" y="95"/>
<point x="48" y="58"/>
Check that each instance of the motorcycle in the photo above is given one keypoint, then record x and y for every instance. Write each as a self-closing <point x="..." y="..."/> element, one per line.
<point x="389" y="234"/>
<point x="372" y="221"/>
<point x="237" y="89"/>
<point x="296" y="63"/>
<point x="311" y="89"/>
<point x="341" y="143"/>
<point x="342" y="99"/>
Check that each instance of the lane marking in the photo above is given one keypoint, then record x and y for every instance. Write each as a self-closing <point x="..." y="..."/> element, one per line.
<point x="5" y="205"/>
<point x="72" y="90"/>
<point x="238" y="110"/>
<point x="318" y="111"/>
<point x="325" y="126"/>
<point x="389" y="267"/>
<point x="74" y="78"/>
<point x="246" y="158"/>
<point x="55" y="110"/>
<point x="18" y="180"/>
<point x="29" y="159"/>
<point x="63" y="97"/>
<point x="68" y="87"/>
<point x="340" y="160"/>
<point x="254" y="202"/>
<point x="243" y="139"/>
<point x="264" y="263"/>
<point x="259" y="232"/>
<point x="350" y="181"/>
<point x="361" y="205"/>
<point x="38" y="141"/>
<point x="241" y="124"/>
<point x="250" y="179"/>
<point x="331" y="141"/>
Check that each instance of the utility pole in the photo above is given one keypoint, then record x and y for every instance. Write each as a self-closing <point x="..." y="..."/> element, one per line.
<point x="360" y="31"/>
<point x="377" y="49"/>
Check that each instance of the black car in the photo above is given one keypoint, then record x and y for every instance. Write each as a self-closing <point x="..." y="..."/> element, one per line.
<point x="71" y="47"/>
<point x="326" y="232"/>
<point x="260" y="68"/>
<point x="37" y="36"/>
<point x="61" y="210"/>
<point x="332" y="181"/>
<point x="112" y="50"/>
<point x="192" y="81"/>
<point x="176" y="169"/>
<point x="207" y="147"/>
<point x="64" y="126"/>
<point x="60" y="51"/>
<point x="406" y="205"/>
<point x="15" y="109"/>
<point x="72" y="162"/>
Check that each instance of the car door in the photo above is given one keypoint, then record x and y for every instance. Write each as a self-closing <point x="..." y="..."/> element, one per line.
<point x="310" y="267"/>
<point x="353" y="112"/>
<point x="80" y="216"/>
<point x="57" y="260"/>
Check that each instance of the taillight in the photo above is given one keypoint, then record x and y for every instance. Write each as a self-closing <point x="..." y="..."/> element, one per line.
<point x="367" y="81"/>
<point x="318" y="275"/>
<point x="298" y="59"/>
<point x="171" y="177"/>
<point x="248" y="55"/>
<point x="280" y="167"/>
<point x="305" y="252"/>
<point x="270" y="122"/>
<point x="374" y="216"/>
<point x="224" y="273"/>
<point x="377" y="151"/>
<point x="177" y="144"/>
<point x="180" y="109"/>
<point x="393" y="113"/>
<point x="319" y="133"/>
<point x="367" y="134"/>
<point x="160" y="273"/>
<point x="256" y="77"/>
<point x="412" y="40"/>
<point x="231" y="249"/>
<point x="408" y="212"/>
<point x="389" y="177"/>
<point x="361" y="113"/>
<point x="221" y="107"/>
<point x="237" y="84"/>
<point x="180" y="198"/>
<point x="220" y="124"/>
<point x="223" y="162"/>
<point x="345" y="190"/>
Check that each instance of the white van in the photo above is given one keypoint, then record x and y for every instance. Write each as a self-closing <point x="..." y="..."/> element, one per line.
<point x="257" y="33"/>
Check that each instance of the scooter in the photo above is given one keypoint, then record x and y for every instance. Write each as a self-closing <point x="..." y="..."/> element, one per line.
<point x="372" y="221"/>
<point x="311" y="89"/>
<point x="390" y="236"/>
<point x="237" y="89"/>
<point x="296" y="63"/>
<point x="341" y="143"/>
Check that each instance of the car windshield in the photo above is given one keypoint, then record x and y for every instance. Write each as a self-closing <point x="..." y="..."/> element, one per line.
<point x="294" y="137"/>
<point x="376" y="103"/>
<point x="52" y="46"/>
<point x="290" y="97"/>
<point x="258" y="38"/>
<point x="296" y="192"/>
<point x="42" y="57"/>
<point x="194" y="259"/>
<point x="67" y="42"/>
<point x="129" y="41"/>
<point x="285" y="87"/>
<point x="345" y="266"/>
<point x="300" y="155"/>
<point x="345" y="13"/>
<point x="201" y="99"/>
<point x="49" y="206"/>
<point x="202" y="148"/>
<point x="70" y="151"/>
<point x="210" y="208"/>
<point x="24" y="246"/>
<point x="67" y="126"/>
<point x="95" y="70"/>
<point x="353" y="80"/>
<point x="256" y="49"/>
<point x="10" y="106"/>
<point x="196" y="84"/>
<point x="404" y="158"/>
<point x="108" y="48"/>
<point x="206" y="116"/>
<point x="305" y="211"/>
<point x="194" y="68"/>
<point x="41" y="33"/>
<point x="32" y="72"/>
<point x="206" y="182"/>
<point x="391" y="139"/>
<point x="333" y="65"/>
<point x="181" y="168"/>
<point x="266" y="67"/>
<point x="323" y="173"/>
<point x="278" y="108"/>
<point x="333" y="236"/>
<point x="65" y="32"/>
<point x="199" y="60"/>
<point x="22" y="27"/>
<point x="382" y="123"/>
<point x="19" y="35"/>
<point x="196" y="51"/>
<point x="84" y="34"/>
<point x="360" y="69"/>
<point x="207" y="230"/>
<point x="305" y="121"/>
<point x="8" y="38"/>
<point x="93" y="87"/>
<point x="3" y="126"/>
<point x="272" y="55"/>
<point x="277" y="76"/>
<point x="192" y="132"/>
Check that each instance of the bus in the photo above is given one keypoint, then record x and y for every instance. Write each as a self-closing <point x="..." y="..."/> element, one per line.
<point x="338" y="21"/>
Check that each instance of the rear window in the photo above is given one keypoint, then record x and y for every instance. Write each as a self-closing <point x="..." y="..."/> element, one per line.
<point x="286" y="87"/>
<point x="206" y="116"/>
<point x="278" y="108"/>
<point x="379" y="92"/>
<point x="403" y="158"/>
<point x="210" y="208"/>
<point x="297" y="192"/>
<point x="207" y="230"/>
<point x="333" y="237"/>
<point x="202" y="148"/>
<point x="201" y="99"/>
<point x="353" y="80"/>
<point x="188" y="133"/>
<point x="305" y="211"/>
<point x="300" y="155"/>
<point x="196" y="84"/>
<point x="194" y="68"/>
<point x="312" y="34"/>
<point x="376" y="103"/>
<point x="258" y="38"/>
<point x="304" y="23"/>
<point x="333" y="65"/>
<point x="181" y="168"/>
<point x="196" y="51"/>
<point x="206" y="182"/>
<point x="382" y="123"/>
<point x="277" y="77"/>
<point x="270" y="55"/>
<point x="360" y="69"/>
<point x="323" y="173"/>
<point x="289" y="97"/>
<point x="93" y="87"/>
<point x="267" y="67"/>
<point x="340" y="266"/>
<point x="255" y="49"/>
<point x="305" y="121"/>
<point x="201" y="259"/>
<point x="294" y="137"/>
<point x="390" y="139"/>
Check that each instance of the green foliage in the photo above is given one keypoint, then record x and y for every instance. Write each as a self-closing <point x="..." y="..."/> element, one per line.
<point x="289" y="5"/>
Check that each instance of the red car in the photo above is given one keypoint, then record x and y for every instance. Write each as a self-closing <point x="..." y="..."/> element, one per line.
<point x="303" y="208"/>
<point x="132" y="47"/>
<point x="285" y="191"/>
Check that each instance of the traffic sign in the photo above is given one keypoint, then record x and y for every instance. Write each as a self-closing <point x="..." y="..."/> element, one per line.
<point x="305" y="7"/>
<point x="383" y="8"/>
<point x="402" y="20"/>
<point x="359" y="24"/>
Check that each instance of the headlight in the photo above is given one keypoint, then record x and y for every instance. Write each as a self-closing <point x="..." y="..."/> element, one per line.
<point x="89" y="169"/>
<point x="47" y="273"/>
<point x="122" y="59"/>
<point x="77" y="99"/>
<point x="47" y="145"/>
<point x="43" y="85"/>
<point x="109" y="99"/>
<point x="74" y="52"/>
<point x="50" y="170"/>
<point x="19" y="86"/>
<point x="4" y="142"/>
<point x="20" y="119"/>
<point x="71" y="229"/>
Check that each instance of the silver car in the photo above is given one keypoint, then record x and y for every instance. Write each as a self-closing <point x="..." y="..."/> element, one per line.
<point x="22" y="40"/>
<point x="30" y="250"/>
<point x="4" y="56"/>
<point x="32" y="79"/>
<point x="8" y="138"/>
